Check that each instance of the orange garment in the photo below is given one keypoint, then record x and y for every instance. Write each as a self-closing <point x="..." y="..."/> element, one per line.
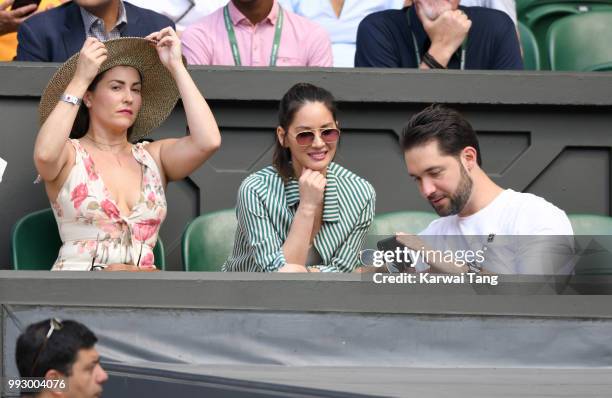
<point x="8" y="42"/>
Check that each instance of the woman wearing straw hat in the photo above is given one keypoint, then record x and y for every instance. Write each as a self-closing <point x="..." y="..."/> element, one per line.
<point x="107" y="194"/>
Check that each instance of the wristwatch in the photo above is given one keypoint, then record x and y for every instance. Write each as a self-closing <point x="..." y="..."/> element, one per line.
<point x="71" y="99"/>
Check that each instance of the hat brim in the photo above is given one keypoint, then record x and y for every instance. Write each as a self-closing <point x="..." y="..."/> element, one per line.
<point x="159" y="92"/>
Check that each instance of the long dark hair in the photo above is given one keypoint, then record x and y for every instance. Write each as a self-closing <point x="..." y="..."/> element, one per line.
<point x="81" y="122"/>
<point x="292" y="101"/>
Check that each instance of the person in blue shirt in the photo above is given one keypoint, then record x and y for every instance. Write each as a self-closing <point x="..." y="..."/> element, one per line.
<point x="57" y="34"/>
<point x="438" y="34"/>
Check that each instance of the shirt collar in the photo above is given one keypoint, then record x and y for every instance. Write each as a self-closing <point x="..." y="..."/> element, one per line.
<point x="89" y="19"/>
<point x="331" y="210"/>
<point x="237" y="17"/>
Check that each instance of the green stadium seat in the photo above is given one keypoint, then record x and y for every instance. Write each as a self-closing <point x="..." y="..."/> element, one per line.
<point x="540" y="15"/>
<point x="208" y="241"/>
<point x="35" y="242"/>
<point x="522" y="5"/>
<point x="594" y="246"/>
<point x="581" y="42"/>
<point x="605" y="67"/>
<point x="591" y="224"/>
<point x="404" y="221"/>
<point x="387" y="224"/>
<point x="531" y="51"/>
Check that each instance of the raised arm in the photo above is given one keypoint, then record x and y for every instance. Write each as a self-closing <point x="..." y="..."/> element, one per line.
<point x="312" y="191"/>
<point x="446" y="33"/>
<point x="51" y="150"/>
<point x="180" y="157"/>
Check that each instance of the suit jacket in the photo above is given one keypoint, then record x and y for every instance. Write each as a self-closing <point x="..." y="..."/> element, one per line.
<point x="57" y="34"/>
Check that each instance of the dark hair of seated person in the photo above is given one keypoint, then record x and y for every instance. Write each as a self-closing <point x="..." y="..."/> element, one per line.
<point x="444" y="125"/>
<point x="36" y="355"/>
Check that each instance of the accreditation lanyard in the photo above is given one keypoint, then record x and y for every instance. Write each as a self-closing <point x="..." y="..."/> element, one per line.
<point x="417" y="55"/>
<point x="234" y="44"/>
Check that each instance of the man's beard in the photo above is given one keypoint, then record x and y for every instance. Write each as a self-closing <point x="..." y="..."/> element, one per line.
<point x="459" y="198"/>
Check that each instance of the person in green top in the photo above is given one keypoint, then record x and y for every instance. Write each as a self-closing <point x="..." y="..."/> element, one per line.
<point x="304" y="213"/>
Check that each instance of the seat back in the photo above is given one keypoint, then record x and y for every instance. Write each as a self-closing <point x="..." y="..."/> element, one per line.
<point x="596" y="257"/>
<point x="539" y="20"/>
<point x="579" y="42"/>
<point x="387" y="224"/>
<point x="35" y="242"/>
<point x="591" y="224"/>
<point x="531" y="51"/>
<point x="208" y="241"/>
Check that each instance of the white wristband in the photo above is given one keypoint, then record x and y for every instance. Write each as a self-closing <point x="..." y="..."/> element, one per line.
<point x="71" y="99"/>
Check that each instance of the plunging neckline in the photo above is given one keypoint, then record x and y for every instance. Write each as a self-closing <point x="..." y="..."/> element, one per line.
<point x="107" y="192"/>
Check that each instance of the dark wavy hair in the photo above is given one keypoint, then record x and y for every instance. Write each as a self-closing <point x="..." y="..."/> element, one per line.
<point x="290" y="104"/>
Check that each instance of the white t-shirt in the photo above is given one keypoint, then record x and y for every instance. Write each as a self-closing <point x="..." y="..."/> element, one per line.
<point x="517" y="229"/>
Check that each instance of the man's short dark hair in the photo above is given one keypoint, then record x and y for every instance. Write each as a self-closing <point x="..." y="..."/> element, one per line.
<point x="35" y="357"/>
<point x="444" y="125"/>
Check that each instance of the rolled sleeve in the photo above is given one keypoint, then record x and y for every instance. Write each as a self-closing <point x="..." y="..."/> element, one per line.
<point x="347" y="257"/>
<point x="263" y="242"/>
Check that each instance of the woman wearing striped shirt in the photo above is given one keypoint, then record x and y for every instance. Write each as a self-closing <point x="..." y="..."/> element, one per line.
<point x="304" y="213"/>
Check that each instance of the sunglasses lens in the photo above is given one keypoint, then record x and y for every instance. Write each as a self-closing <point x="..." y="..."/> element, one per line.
<point x="330" y="135"/>
<point x="305" y="138"/>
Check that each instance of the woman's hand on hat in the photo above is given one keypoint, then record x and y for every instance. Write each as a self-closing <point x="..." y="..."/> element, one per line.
<point x="91" y="57"/>
<point x="168" y="46"/>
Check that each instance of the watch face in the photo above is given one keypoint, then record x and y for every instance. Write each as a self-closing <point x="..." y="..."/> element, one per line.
<point x="71" y="99"/>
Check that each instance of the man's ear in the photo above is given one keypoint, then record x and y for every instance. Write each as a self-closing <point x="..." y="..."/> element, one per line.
<point x="53" y="374"/>
<point x="280" y="136"/>
<point x="469" y="157"/>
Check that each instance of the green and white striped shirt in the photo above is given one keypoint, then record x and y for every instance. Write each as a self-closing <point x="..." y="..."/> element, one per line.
<point x="265" y="210"/>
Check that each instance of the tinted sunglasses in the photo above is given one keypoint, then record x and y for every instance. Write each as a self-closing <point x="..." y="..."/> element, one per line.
<point x="307" y="137"/>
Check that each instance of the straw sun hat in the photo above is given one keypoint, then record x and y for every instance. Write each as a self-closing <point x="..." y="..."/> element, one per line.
<point x="159" y="92"/>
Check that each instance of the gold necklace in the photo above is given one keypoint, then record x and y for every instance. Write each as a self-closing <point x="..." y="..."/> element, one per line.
<point x="97" y="145"/>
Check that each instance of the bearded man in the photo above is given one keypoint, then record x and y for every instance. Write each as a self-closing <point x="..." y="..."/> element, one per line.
<point x="509" y="232"/>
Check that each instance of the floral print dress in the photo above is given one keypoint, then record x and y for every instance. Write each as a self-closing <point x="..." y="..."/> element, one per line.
<point x="92" y="229"/>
